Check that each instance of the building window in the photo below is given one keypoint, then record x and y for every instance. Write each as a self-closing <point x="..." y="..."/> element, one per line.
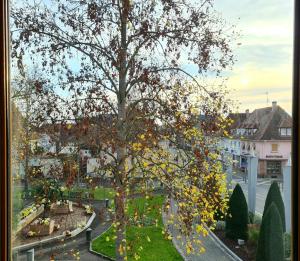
<point x="254" y="146"/>
<point x="273" y="167"/>
<point x="285" y="131"/>
<point x="274" y="147"/>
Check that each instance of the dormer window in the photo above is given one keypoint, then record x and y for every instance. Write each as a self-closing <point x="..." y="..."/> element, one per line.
<point x="285" y="131"/>
<point x="251" y="131"/>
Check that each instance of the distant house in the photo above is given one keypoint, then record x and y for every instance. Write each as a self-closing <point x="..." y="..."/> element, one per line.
<point x="42" y="144"/>
<point x="233" y="145"/>
<point x="68" y="150"/>
<point x="45" y="166"/>
<point x="266" y="134"/>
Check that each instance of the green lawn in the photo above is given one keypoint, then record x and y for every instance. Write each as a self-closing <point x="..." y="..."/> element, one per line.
<point x="147" y="241"/>
<point x="17" y="205"/>
<point x="103" y="193"/>
<point x="99" y="193"/>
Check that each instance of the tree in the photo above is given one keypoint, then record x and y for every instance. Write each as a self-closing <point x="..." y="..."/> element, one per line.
<point x="274" y="195"/>
<point x="23" y="100"/>
<point x="130" y="76"/>
<point x="270" y="242"/>
<point x="237" y="216"/>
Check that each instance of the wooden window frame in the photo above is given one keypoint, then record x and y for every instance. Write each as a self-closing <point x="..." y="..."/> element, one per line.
<point x="281" y="133"/>
<point x="4" y="112"/>
<point x="274" y="145"/>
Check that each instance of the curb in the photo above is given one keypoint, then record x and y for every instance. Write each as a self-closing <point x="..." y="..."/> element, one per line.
<point x="214" y="238"/>
<point x="179" y="250"/>
<point x="222" y="246"/>
<point x="74" y="233"/>
<point x="98" y="253"/>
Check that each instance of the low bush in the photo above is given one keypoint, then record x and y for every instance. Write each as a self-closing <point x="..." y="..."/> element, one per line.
<point x="287" y="245"/>
<point x="251" y="217"/>
<point x="220" y="225"/>
<point x="257" y="219"/>
<point x="253" y="235"/>
<point x="254" y="218"/>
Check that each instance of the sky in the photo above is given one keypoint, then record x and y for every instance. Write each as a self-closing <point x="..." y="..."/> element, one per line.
<point x="262" y="72"/>
<point x="264" y="58"/>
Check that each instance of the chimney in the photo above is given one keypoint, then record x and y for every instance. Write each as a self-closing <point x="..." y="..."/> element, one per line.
<point x="274" y="105"/>
<point x="247" y="113"/>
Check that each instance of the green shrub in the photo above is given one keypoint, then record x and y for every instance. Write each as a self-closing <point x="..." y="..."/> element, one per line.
<point x="251" y="216"/>
<point x="287" y="245"/>
<point x="257" y="219"/>
<point x="253" y="235"/>
<point x="237" y="216"/>
<point x="220" y="225"/>
<point x="274" y="195"/>
<point x="270" y="243"/>
<point x="254" y="218"/>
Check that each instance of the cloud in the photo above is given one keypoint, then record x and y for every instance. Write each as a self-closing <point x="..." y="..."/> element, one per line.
<point x="264" y="59"/>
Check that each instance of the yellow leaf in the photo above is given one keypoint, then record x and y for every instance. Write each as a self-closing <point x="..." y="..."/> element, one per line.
<point x="188" y="250"/>
<point x="145" y="164"/>
<point x="202" y="250"/>
<point x="198" y="228"/>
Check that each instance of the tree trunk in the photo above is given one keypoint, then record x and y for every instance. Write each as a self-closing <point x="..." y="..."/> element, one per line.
<point x="120" y="198"/>
<point x="26" y="171"/>
<point x="121" y="225"/>
<point x="27" y="148"/>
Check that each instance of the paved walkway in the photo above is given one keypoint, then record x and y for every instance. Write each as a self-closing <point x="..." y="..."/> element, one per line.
<point x="212" y="251"/>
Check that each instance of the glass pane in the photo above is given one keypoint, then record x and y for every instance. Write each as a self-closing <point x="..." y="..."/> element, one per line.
<point x="274" y="147"/>
<point x="141" y="127"/>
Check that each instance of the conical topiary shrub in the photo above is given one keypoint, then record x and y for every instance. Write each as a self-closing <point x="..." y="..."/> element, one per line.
<point x="237" y="215"/>
<point x="270" y="242"/>
<point x="274" y="195"/>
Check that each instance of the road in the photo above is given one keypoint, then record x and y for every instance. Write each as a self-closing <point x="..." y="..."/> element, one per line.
<point x="263" y="185"/>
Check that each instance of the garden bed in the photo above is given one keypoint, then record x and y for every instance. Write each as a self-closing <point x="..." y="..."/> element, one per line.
<point x="246" y="252"/>
<point x="33" y="213"/>
<point x="69" y="222"/>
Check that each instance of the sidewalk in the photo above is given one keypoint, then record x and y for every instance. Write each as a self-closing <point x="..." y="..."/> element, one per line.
<point x="212" y="252"/>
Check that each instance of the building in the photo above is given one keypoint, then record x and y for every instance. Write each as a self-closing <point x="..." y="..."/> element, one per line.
<point x="233" y="145"/>
<point x="264" y="133"/>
